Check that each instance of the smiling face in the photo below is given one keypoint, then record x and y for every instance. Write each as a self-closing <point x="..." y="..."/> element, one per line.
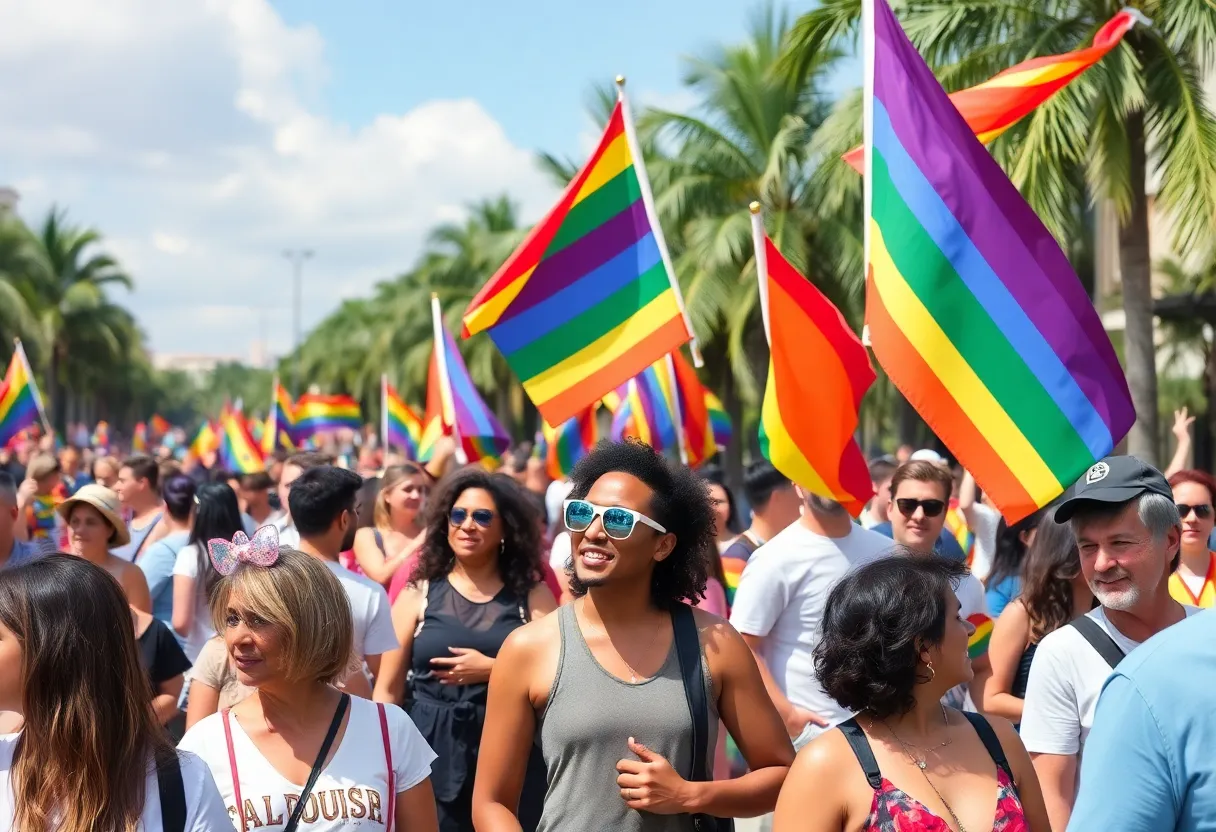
<point x="89" y="532"/>
<point x="1196" y="529"/>
<point x="1120" y="560"/>
<point x="600" y="559"/>
<point x="255" y="646"/>
<point x="407" y="496"/>
<point x="916" y="529"/>
<point x="951" y="660"/>
<point x="470" y="540"/>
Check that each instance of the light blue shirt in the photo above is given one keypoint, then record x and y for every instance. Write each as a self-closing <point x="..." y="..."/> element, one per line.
<point x="157" y="566"/>
<point x="1150" y="759"/>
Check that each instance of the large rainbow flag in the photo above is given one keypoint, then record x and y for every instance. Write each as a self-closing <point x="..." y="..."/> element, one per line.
<point x="20" y="404"/>
<point x="808" y="420"/>
<point x="589" y="299"/>
<point x="399" y="424"/>
<point x="973" y="309"/>
<point x="454" y="407"/>
<point x="997" y="104"/>
<point x="315" y="414"/>
<point x="280" y="422"/>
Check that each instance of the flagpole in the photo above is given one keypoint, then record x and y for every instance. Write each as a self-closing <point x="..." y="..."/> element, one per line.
<point x="445" y="381"/>
<point x="677" y="409"/>
<point x="639" y="164"/>
<point x="19" y="352"/>
<point x="761" y="265"/>
<point x="384" y="412"/>
<point x="274" y="417"/>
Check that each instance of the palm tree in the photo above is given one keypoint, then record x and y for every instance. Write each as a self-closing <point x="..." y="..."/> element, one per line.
<point x="1187" y="336"/>
<point x="1093" y="139"/>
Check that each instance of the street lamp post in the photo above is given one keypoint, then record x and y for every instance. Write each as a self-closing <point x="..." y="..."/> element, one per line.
<point x="297" y="256"/>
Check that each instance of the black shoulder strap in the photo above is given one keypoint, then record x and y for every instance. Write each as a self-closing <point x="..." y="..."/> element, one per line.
<point x="1098" y="639"/>
<point x="172" y="795"/>
<point x="862" y="751"/>
<point x="992" y="744"/>
<point x="294" y="820"/>
<point x="379" y="541"/>
<point x="688" y="651"/>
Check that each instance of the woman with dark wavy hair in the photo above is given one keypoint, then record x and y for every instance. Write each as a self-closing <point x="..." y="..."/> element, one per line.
<point x="1054" y="592"/>
<point x="892" y="644"/>
<point x="478" y="579"/>
<point x="92" y="756"/>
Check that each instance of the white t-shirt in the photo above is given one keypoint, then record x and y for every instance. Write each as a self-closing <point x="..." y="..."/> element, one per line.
<point x="987" y="521"/>
<point x="205" y="810"/>
<point x="973" y="606"/>
<point x="781" y="598"/>
<point x="370" y="608"/>
<point x="561" y="553"/>
<point x="201" y="631"/>
<point x="289" y="536"/>
<point x="350" y="795"/>
<point x="555" y="496"/>
<point x="1066" y="677"/>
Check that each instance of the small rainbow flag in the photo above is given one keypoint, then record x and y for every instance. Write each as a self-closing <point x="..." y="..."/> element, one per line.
<point x="139" y="438"/>
<point x="400" y="425"/>
<point x="733" y="570"/>
<point x="589" y="299"/>
<point x="205" y="441"/>
<point x="956" y="525"/>
<point x="280" y="422"/>
<point x="687" y="398"/>
<point x="565" y="445"/>
<point x="977" y="644"/>
<point x="973" y="309"/>
<point x="20" y="404"/>
<point x="719" y="420"/>
<point x="239" y="452"/>
<point x="640" y="411"/>
<point x="315" y="414"/>
<point x="159" y="426"/>
<point x="101" y="435"/>
<point x="997" y="104"/>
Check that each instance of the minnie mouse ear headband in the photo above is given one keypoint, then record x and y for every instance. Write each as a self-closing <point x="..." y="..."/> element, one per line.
<point x="262" y="550"/>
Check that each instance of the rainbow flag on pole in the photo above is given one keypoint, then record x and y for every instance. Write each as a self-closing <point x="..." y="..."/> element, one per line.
<point x="315" y="414"/>
<point x="564" y="446"/>
<point x="997" y="104"/>
<point x="589" y="299"/>
<point x="400" y="425"/>
<point x="205" y="441"/>
<point x="280" y="422"/>
<point x="240" y="454"/>
<point x="973" y="309"/>
<point x="20" y="404"/>
<point x="139" y="438"/>
<point x="719" y="420"/>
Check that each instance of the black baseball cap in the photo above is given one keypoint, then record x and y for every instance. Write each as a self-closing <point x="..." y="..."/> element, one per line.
<point x="1116" y="479"/>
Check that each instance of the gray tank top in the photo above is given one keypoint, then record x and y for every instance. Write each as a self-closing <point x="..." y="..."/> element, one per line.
<point x="588" y="720"/>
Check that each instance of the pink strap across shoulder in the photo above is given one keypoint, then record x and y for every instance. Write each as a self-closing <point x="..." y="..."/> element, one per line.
<point x="236" y="780"/>
<point x="392" y="776"/>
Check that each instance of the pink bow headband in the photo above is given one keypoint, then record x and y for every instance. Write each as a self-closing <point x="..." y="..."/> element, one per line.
<point x="262" y="550"/>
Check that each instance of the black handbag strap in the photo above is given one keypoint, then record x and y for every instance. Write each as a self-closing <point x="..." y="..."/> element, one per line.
<point x="1098" y="639"/>
<point x="172" y="794"/>
<point x="862" y="751"/>
<point x="322" y="755"/>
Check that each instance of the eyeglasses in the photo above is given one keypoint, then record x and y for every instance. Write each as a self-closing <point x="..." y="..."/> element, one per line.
<point x="618" y="522"/>
<point x="907" y="506"/>
<point x="481" y="516"/>
<point x="1203" y="512"/>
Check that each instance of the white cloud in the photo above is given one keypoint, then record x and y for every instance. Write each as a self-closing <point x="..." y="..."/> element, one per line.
<point x="184" y="132"/>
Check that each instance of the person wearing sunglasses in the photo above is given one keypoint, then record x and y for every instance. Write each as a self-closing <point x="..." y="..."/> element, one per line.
<point x="478" y="579"/>
<point x="617" y="672"/>
<point x="1194" y="582"/>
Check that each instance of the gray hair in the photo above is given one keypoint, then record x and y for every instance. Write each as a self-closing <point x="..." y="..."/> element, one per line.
<point x="1157" y="512"/>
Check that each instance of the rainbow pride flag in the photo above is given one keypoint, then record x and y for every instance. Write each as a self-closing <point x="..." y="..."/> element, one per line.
<point x="977" y="644"/>
<point x="316" y="414"/>
<point x="997" y="104"/>
<point x="589" y="299"/>
<point x="719" y="420"/>
<point x="956" y="525"/>
<point x="20" y="404"/>
<point x="280" y="422"/>
<point x="101" y="435"/>
<point x="139" y="438"/>
<point x="565" y="445"/>
<point x="973" y="309"/>
<point x="239" y="452"/>
<point x="205" y="441"/>
<point x="400" y="425"/>
<point x="641" y="410"/>
<point x="454" y="407"/>
<point x="687" y="396"/>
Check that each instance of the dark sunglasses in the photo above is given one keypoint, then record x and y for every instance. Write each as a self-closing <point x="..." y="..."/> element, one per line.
<point x="907" y="506"/>
<point x="1203" y="511"/>
<point x="481" y="516"/>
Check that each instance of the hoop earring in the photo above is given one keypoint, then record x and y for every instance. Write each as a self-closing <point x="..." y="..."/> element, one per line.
<point x="932" y="672"/>
<point x="502" y="546"/>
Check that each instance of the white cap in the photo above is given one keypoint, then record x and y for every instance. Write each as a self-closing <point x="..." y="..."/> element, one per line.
<point x="927" y="455"/>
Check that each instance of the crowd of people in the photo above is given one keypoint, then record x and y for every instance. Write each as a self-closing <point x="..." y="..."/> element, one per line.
<point x="639" y="647"/>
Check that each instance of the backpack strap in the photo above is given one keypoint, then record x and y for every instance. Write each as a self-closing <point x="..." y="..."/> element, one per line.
<point x="172" y="795"/>
<point x="392" y="775"/>
<point x="992" y="745"/>
<point x="688" y="651"/>
<point x="1098" y="639"/>
<point x="862" y="751"/>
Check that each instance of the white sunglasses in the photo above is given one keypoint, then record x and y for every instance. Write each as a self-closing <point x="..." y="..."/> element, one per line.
<point x="618" y="522"/>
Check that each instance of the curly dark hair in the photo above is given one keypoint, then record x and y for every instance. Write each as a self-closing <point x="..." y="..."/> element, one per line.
<point x="1052" y="564"/>
<point x="680" y="503"/>
<point x="518" y="561"/>
<point x="875" y="623"/>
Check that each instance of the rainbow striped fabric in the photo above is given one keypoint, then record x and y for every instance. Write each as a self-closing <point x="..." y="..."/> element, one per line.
<point x="808" y="421"/>
<point x="997" y="104"/>
<point x="280" y="422"/>
<point x="402" y="426"/>
<point x="101" y="435"/>
<point x="973" y="309"/>
<point x="455" y="408"/>
<point x="588" y="300"/>
<point x="977" y="644"/>
<point x="206" y="441"/>
<point x="956" y="526"/>
<point x="238" y="452"/>
<point x="139" y="438"/>
<point x="316" y="414"/>
<point x="19" y="402"/>
<point x="563" y="446"/>
<point x="719" y="420"/>
<point x="644" y="408"/>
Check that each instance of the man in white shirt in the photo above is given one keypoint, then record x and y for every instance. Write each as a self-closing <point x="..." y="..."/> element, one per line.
<point x="322" y="503"/>
<point x="780" y="601"/>
<point x="293" y="467"/>
<point x="1128" y="532"/>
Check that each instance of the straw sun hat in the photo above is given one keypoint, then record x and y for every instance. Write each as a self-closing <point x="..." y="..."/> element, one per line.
<point x="105" y="501"/>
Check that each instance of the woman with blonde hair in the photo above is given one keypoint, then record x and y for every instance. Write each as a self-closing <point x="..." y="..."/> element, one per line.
<point x="299" y="750"/>
<point x="91" y="755"/>
<point x="94" y="519"/>
<point x="398" y="528"/>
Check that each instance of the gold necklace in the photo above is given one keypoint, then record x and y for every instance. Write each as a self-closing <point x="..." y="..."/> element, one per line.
<point x="922" y="761"/>
<point x="633" y="674"/>
<point x="921" y="764"/>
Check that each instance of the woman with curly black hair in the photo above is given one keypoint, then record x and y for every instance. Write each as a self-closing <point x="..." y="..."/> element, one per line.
<point x="478" y="579"/>
<point x="892" y="644"/>
<point x="617" y="672"/>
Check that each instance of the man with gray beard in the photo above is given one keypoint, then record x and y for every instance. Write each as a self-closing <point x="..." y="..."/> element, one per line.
<point x="1128" y="532"/>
